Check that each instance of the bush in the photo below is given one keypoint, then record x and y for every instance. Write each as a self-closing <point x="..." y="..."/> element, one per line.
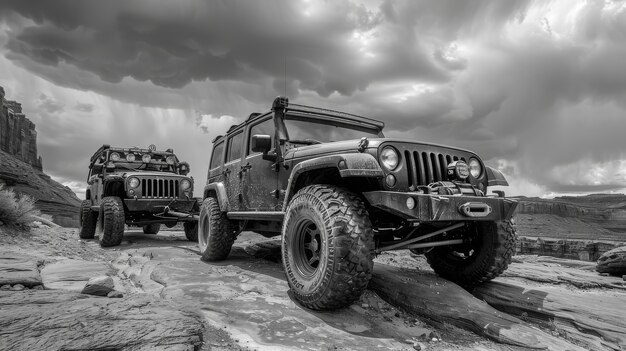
<point x="16" y="209"/>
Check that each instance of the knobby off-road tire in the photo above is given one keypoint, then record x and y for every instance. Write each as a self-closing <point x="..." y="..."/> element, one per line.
<point x="327" y="247"/>
<point x="152" y="228"/>
<point x="216" y="233"/>
<point x="112" y="210"/>
<point x="191" y="230"/>
<point x="486" y="257"/>
<point x="88" y="221"/>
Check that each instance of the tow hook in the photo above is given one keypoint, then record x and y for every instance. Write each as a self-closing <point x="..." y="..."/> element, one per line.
<point x="475" y="209"/>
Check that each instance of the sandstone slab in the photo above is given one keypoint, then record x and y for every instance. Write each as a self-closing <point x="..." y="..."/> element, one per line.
<point x="16" y="268"/>
<point x="440" y="300"/>
<point x="594" y="318"/>
<point x="72" y="274"/>
<point x="48" y="320"/>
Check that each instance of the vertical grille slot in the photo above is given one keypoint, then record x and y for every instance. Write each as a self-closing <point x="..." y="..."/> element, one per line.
<point x="159" y="188"/>
<point x="424" y="168"/>
<point x="411" y="170"/>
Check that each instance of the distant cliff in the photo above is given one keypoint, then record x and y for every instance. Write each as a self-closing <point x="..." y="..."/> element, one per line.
<point x="606" y="210"/>
<point x="18" y="137"/>
<point x="20" y="166"/>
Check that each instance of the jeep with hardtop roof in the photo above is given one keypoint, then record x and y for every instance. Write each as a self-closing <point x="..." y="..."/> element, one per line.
<point x="338" y="192"/>
<point x="137" y="187"/>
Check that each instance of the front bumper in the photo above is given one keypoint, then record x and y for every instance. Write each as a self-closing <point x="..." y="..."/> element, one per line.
<point x="442" y="208"/>
<point x="156" y="206"/>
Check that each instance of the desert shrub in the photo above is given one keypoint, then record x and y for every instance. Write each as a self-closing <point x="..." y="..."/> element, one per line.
<point x="16" y="209"/>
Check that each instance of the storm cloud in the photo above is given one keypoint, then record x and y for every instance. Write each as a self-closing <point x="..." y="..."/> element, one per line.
<point x="538" y="88"/>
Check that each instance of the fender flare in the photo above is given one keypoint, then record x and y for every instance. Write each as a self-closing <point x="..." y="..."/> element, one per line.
<point x="220" y="191"/>
<point x="348" y="165"/>
<point x="495" y="177"/>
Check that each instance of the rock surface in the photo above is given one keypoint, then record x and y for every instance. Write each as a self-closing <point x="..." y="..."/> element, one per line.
<point x="613" y="262"/>
<point x="72" y="274"/>
<point x="17" y="268"/>
<point x="99" y="286"/>
<point x="71" y="321"/>
<point x="433" y="297"/>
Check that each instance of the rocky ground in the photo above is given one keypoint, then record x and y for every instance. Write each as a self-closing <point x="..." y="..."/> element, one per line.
<point x="173" y="301"/>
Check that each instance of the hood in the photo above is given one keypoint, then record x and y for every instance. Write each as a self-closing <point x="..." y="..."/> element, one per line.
<point x="149" y="174"/>
<point x="351" y="146"/>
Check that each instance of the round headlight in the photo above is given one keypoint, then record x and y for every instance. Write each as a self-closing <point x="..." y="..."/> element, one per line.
<point x="114" y="156"/>
<point x="133" y="182"/>
<point x="146" y="158"/>
<point x="185" y="184"/>
<point x="475" y="168"/>
<point x="389" y="158"/>
<point x="170" y="160"/>
<point x="130" y="157"/>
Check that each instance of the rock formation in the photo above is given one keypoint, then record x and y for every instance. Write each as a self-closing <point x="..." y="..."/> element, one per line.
<point x="17" y="133"/>
<point x="21" y="168"/>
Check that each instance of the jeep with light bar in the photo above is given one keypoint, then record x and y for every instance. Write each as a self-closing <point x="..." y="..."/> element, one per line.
<point x="137" y="187"/>
<point x="338" y="193"/>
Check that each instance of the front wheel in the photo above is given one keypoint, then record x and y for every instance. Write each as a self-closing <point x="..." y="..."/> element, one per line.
<point x="191" y="230"/>
<point x="485" y="257"/>
<point x="327" y="247"/>
<point x="112" y="211"/>
<point x="88" y="221"/>
<point x="216" y="233"/>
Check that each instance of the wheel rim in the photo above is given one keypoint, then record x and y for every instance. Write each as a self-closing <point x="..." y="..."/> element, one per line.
<point x="307" y="247"/>
<point x="203" y="231"/>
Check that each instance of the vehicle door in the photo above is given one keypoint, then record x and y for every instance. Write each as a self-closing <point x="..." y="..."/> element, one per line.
<point x="94" y="182"/>
<point x="215" y="165"/>
<point x="259" y="177"/>
<point x="232" y="174"/>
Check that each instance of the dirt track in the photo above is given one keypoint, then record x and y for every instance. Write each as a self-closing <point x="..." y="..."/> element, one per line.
<point x="240" y="303"/>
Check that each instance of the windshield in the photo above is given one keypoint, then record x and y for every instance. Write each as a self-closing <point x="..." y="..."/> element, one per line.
<point x="138" y="166"/>
<point x="313" y="131"/>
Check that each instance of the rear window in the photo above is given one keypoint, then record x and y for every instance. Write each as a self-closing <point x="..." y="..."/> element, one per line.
<point x="234" y="147"/>
<point x="216" y="157"/>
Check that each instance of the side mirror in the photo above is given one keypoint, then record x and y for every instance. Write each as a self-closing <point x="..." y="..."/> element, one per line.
<point x="261" y="143"/>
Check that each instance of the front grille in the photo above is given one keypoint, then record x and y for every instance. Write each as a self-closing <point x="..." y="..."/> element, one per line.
<point x="424" y="168"/>
<point x="159" y="188"/>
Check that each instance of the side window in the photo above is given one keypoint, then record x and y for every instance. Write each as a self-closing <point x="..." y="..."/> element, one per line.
<point x="264" y="128"/>
<point x="234" y="147"/>
<point x="216" y="157"/>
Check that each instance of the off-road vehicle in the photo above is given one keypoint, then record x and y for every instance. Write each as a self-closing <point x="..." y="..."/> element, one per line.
<point x="339" y="193"/>
<point x="137" y="187"/>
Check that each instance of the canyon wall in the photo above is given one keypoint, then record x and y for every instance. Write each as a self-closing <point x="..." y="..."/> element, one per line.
<point x="18" y="136"/>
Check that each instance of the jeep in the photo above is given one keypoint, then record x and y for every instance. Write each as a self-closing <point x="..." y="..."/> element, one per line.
<point x="338" y="192"/>
<point x="137" y="187"/>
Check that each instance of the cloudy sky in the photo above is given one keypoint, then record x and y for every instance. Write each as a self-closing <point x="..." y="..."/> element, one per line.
<point x="537" y="88"/>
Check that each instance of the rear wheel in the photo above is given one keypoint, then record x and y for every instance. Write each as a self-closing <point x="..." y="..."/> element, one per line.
<point x="485" y="257"/>
<point x="327" y="246"/>
<point x="191" y="230"/>
<point x="88" y="220"/>
<point x="112" y="210"/>
<point x="152" y="228"/>
<point x="216" y="233"/>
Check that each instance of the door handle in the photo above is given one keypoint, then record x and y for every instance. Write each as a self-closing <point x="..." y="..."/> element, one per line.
<point x="226" y="172"/>
<point x="244" y="169"/>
